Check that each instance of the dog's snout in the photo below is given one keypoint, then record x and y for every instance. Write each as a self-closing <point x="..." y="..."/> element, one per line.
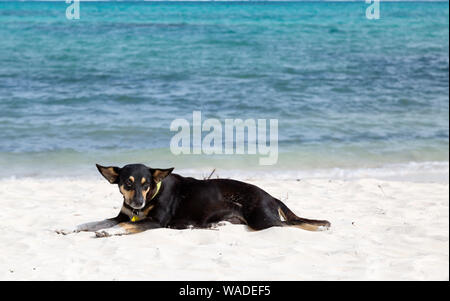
<point x="138" y="201"/>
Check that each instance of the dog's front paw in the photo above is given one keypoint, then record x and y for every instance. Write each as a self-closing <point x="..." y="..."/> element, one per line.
<point x="66" y="231"/>
<point x="117" y="230"/>
<point x="102" y="234"/>
<point x="77" y="229"/>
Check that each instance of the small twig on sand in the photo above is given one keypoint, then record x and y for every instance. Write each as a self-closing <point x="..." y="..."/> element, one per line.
<point x="210" y="175"/>
<point x="381" y="188"/>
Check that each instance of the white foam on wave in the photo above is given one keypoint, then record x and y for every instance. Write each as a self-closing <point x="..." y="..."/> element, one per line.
<point x="412" y="171"/>
<point x="436" y="171"/>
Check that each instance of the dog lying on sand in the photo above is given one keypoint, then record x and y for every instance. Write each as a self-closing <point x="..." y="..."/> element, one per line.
<point x="158" y="198"/>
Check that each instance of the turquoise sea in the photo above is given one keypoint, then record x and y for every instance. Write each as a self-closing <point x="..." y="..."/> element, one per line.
<point x="348" y="92"/>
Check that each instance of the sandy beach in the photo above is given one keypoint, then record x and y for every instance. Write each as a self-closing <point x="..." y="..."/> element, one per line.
<point x="381" y="230"/>
<point x="337" y="109"/>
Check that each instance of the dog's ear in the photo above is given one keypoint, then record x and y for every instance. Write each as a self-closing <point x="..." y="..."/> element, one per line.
<point x="159" y="174"/>
<point x="110" y="173"/>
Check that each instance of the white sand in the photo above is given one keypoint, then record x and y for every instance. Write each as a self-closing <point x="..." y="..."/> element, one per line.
<point x="381" y="230"/>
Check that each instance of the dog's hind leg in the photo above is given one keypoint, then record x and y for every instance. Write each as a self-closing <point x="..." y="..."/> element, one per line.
<point x="273" y="213"/>
<point x="260" y="222"/>
<point x="260" y="212"/>
<point x="261" y="218"/>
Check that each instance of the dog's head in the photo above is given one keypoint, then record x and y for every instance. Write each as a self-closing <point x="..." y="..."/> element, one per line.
<point x="137" y="182"/>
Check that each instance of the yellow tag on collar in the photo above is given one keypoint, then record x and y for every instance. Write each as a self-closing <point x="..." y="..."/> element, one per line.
<point x="135" y="218"/>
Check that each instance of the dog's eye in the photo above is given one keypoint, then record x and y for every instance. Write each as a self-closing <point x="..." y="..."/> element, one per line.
<point x="146" y="186"/>
<point x="128" y="183"/>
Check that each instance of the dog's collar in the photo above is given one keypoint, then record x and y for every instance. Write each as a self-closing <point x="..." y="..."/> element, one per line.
<point x="136" y="213"/>
<point x="158" y="186"/>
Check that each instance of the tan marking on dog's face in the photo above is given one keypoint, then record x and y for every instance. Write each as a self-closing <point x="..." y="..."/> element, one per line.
<point x="131" y="179"/>
<point x="144" y="193"/>
<point x="143" y="180"/>
<point x="127" y="194"/>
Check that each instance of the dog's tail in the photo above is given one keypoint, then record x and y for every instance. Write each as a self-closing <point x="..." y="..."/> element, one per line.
<point x="290" y="219"/>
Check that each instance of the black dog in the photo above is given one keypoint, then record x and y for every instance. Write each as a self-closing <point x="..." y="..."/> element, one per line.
<point x="156" y="198"/>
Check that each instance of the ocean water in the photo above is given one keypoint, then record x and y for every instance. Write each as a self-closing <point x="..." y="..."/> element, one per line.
<point x="349" y="93"/>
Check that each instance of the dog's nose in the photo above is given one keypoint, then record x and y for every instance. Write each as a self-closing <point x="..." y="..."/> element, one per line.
<point x="139" y="202"/>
